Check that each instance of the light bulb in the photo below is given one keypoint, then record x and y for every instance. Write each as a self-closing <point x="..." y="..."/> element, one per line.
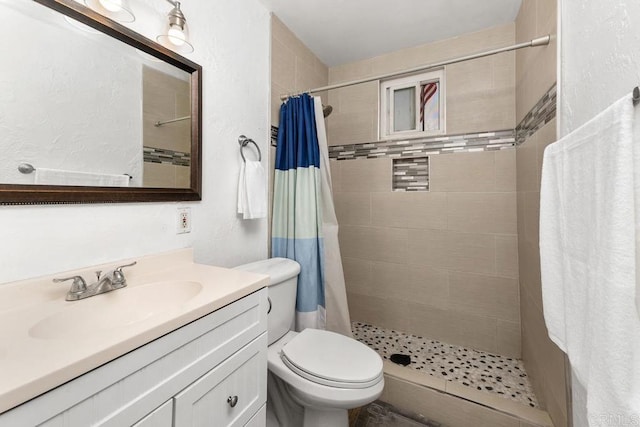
<point x="176" y="35"/>
<point x="111" y="5"/>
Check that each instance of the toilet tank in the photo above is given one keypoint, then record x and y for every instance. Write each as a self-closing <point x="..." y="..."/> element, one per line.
<point x="281" y="291"/>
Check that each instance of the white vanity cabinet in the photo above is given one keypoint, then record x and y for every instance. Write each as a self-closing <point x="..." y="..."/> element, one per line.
<point x="210" y="372"/>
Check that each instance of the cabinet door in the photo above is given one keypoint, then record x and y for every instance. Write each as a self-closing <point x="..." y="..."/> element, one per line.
<point x="161" y="417"/>
<point x="259" y="419"/>
<point x="230" y="394"/>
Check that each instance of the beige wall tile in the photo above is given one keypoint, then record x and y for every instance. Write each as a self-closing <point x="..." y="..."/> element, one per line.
<point x="183" y="176"/>
<point x="351" y="71"/>
<point x="505" y="162"/>
<point x="441" y="407"/>
<point x="336" y="175"/>
<point x="480" y="111"/>
<point x="495" y="401"/>
<point x="428" y="286"/>
<point x="353" y="208"/>
<point x="466" y="172"/>
<point x="283" y="65"/>
<point x="409" y="209"/>
<point x="450" y="250"/>
<point x="390" y="312"/>
<point x="509" y="339"/>
<point x="357" y="275"/>
<point x="372" y="175"/>
<point x="430" y="322"/>
<point x="471" y="252"/>
<point x="545" y="136"/>
<point x="390" y="279"/>
<point x="470" y="76"/>
<point x="374" y="243"/>
<point x="159" y="175"/>
<point x="530" y="273"/>
<point x="357" y="98"/>
<point x="414" y="376"/>
<point x="353" y="128"/>
<point x="487" y="296"/>
<point x="527" y="165"/>
<point x="504" y="71"/>
<point x="475" y="331"/>
<point x="507" y="256"/>
<point x="482" y="212"/>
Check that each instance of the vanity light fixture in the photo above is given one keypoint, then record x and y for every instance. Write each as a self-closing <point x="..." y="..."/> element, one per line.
<point x="118" y="10"/>
<point x="176" y="33"/>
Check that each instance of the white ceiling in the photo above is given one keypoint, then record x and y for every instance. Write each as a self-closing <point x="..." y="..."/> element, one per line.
<point x="342" y="31"/>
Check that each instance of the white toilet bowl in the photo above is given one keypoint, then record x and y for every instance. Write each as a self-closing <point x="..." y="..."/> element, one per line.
<point x="324" y="372"/>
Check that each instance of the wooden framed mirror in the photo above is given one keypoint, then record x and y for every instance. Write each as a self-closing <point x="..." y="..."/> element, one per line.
<point x="93" y="112"/>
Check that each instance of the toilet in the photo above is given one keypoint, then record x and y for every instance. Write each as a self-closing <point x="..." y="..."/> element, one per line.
<point x="324" y="372"/>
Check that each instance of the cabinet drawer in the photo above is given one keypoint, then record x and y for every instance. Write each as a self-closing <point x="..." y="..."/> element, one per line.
<point x="207" y="402"/>
<point x="160" y="417"/>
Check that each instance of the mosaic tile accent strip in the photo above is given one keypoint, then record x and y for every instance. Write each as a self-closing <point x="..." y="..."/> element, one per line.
<point x="542" y="113"/>
<point x="160" y="155"/>
<point x="480" y="370"/>
<point x="411" y="174"/>
<point x="274" y="136"/>
<point x="498" y="140"/>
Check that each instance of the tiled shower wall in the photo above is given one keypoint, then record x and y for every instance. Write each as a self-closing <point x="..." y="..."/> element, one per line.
<point x="443" y="263"/>
<point x="480" y="94"/>
<point x="535" y="74"/>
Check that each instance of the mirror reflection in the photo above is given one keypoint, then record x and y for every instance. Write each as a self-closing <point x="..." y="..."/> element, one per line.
<point x="78" y="107"/>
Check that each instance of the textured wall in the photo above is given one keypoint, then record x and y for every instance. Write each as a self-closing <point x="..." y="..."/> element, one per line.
<point x="480" y="94"/>
<point x="536" y="73"/>
<point x="232" y="44"/>
<point x="39" y="125"/>
<point x="600" y="62"/>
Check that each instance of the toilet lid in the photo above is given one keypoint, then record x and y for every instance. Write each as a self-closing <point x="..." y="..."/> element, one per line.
<point x="332" y="359"/>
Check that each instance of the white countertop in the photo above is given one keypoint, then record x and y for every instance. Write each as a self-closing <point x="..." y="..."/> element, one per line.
<point x="46" y="341"/>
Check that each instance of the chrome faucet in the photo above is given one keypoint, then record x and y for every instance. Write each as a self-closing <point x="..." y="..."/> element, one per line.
<point x="110" y="281"/>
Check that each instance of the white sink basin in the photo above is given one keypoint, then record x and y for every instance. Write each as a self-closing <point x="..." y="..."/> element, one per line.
<point x="120" y="308"/>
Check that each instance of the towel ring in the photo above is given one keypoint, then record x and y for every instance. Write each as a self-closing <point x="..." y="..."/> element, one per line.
<point x="244" y="141"/>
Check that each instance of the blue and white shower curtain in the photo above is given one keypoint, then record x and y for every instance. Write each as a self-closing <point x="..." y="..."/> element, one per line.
<point x="304" y="226"/>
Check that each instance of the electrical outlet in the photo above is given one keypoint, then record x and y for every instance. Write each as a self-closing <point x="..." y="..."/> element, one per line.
<point x="183" y="221"/>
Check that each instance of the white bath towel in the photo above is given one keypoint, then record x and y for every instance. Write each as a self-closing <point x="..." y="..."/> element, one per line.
<point x="46" y="176"/>
<point x="252" y="190"/>
<point x="588" y="259"/>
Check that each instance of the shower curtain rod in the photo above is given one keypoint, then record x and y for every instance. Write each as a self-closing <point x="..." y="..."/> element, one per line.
<point x="540" y="41"/>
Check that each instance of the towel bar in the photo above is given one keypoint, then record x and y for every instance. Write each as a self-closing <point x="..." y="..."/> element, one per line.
<point x="27" y="168"/>
<point x="244" y="141"/>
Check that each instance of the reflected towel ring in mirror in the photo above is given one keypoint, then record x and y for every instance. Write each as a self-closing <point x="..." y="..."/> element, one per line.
<point x="244" y="141"/>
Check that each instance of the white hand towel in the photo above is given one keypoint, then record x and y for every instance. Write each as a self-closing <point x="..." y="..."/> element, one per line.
<point x="252" y="190"/>
<point x="588" y="259"/>
<point x="46" y="176"/>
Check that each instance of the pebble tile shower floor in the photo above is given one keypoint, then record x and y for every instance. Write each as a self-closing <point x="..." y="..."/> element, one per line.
<point x="480" y="370"/>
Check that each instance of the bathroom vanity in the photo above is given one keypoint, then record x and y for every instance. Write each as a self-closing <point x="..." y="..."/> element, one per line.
<point x="182" y="344"/>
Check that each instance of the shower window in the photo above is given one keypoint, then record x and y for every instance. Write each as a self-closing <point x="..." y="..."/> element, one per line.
<point x="412" y="106"/>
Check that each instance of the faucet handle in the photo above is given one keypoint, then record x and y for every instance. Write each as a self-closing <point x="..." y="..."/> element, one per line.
<point x="78" y="285"/>
<point x="118" y="275"/>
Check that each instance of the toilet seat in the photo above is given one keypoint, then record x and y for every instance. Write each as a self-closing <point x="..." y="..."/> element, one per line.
<point x="332" y="360"/>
